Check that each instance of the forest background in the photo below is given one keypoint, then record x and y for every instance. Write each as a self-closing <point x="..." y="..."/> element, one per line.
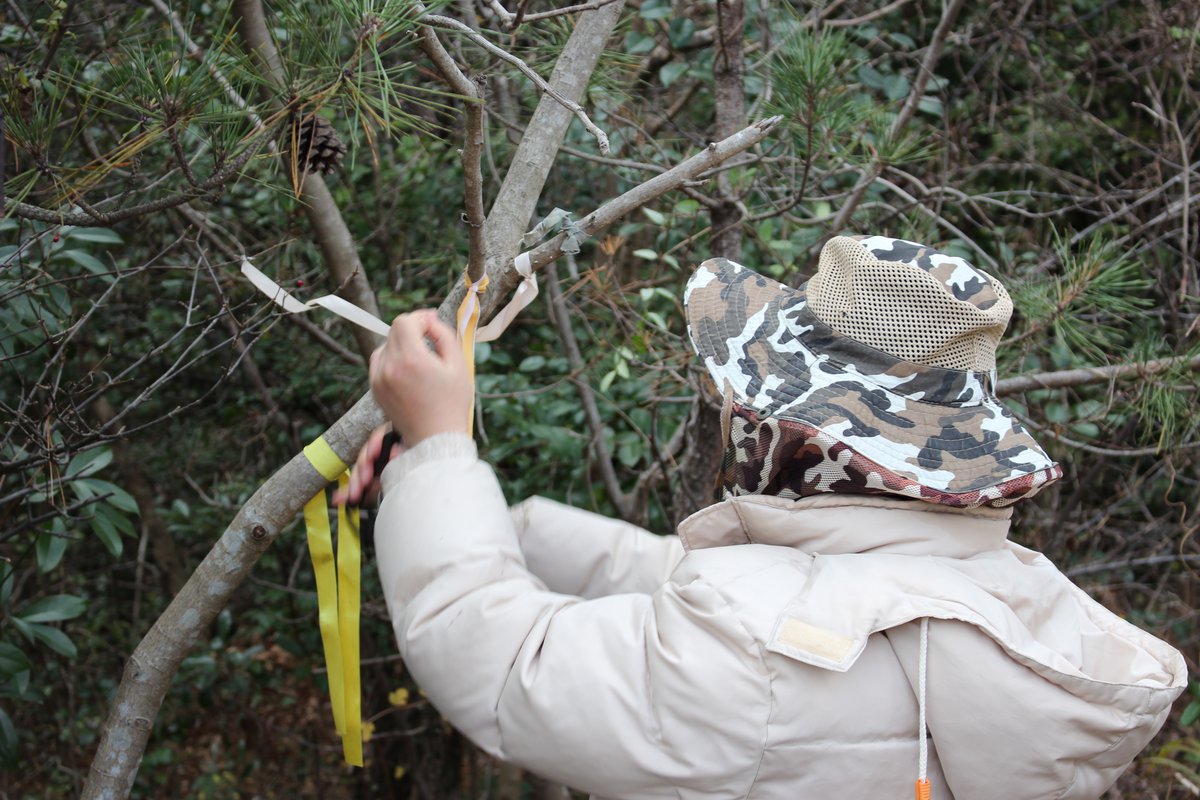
<point x="152" y="399"/>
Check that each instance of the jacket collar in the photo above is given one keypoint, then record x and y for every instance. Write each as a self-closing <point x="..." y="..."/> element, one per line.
<point x="835" y="524"/>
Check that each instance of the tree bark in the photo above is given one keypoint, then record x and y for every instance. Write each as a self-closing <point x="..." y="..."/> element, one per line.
<point x="701" y="460"/>
<point x="730" y="98"/>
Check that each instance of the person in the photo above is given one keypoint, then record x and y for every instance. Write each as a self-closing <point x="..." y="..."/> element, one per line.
<point x="851" y="616"/>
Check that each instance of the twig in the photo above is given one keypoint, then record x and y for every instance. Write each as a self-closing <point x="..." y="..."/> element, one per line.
<point x="472" y="148"/>
<point x="1147" y="561"/>
<point x="325" y="340"/>
<point x="511" y="22"/>
<point x="561" y="318"/>
<point x="96" y="218"/>
<point x="452" y="24"/>
<point x="1086" y="375"/>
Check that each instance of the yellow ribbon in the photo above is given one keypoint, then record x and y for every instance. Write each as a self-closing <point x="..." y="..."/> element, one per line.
<point x="337" y="611"/>
<point x="468" y="319"/>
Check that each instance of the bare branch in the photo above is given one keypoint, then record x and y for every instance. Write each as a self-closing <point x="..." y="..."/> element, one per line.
<point x="511" y="22"/>
<point x="452" y="24"/>
<point x="516" y="201"/>
<point x="587" y="398"/>
<point x="472" y="148"/>
<point x="1086" y="375"/>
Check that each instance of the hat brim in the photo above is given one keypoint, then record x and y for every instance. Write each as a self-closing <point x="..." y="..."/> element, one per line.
<point x="942" y="428"/>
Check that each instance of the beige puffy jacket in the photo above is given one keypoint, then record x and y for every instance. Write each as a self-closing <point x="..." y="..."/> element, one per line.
<point x="770" y="651"/>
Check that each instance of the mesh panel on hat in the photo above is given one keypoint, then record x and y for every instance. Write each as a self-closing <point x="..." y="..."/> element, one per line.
<point x="903" y="310"/>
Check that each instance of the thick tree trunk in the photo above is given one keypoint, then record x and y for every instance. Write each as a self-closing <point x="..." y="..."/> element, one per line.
<point x="730" y="99"/>
<point x="702" y="459"/>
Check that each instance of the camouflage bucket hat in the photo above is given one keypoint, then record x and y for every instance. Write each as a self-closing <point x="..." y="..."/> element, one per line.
<point x="875" y="377"/>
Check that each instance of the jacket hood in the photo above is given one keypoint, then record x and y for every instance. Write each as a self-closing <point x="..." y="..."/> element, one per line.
<point x="1101" y="683"/>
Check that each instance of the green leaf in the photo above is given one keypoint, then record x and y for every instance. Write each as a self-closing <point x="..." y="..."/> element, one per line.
<point x="116" y="495"/>
<point x="680" y="31"/>
<point x="657" y="217"/>
<point x="638" y="43"/>
<point x="8" y="736"/>
<point x="607" y="380"/>
<point x="87" y="261"/>
<point x="55" y="639"/>
<point x="1190" y="714"/>
<point x="119" y="519"/>
<point x="50" y="548"/>
<point x="104" y="235"/>
<point x="6" y="582"/>
<point x="55" y="608"/>
<point x="655" y="9"/>
<point x="687" y="207"/>
<point x="931" y="105"/>
<point x="895" y="86"/>
<point x="108" y="534"/>
<point x="871" y="77"/>
<point x="90" y="461"/>
<point x="12" y="659"/>
<point x="646" y="253"/>
<point x="629" y="451"/>
<point x="532" y="363"/>
<point x="671" y="72"/>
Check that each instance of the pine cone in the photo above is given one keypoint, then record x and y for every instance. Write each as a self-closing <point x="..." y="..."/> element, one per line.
<point x="318" y="146"/>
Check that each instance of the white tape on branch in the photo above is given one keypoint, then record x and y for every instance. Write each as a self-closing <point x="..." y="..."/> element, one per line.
<point x="523" y="296"/>
<point x="344" y="309"/>
<point x="526" y="291"/>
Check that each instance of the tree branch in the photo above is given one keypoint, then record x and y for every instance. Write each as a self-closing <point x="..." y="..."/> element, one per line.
<point x="329" y="227"/>
<point x="472" y="148"/>
<point x="576" y="109"/>
<point x="516" y="201"/>
<point x="1086" y="375"/>
<point x="561" y="318"/>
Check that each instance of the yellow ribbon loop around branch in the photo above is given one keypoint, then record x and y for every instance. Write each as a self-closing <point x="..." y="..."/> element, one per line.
<point x="337" y="598"/>
<point x="468" y="319"/>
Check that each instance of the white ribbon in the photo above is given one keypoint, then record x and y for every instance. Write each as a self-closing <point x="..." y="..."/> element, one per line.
<point x="523" y="296"/>
<point x="344" y="309"/>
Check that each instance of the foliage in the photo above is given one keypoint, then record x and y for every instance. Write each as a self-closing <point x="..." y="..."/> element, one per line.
<point x="147" y="391"/>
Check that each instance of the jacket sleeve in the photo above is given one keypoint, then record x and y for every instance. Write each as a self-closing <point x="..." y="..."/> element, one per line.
<point x="577" y="552"/>
<point x="600" y="694"/>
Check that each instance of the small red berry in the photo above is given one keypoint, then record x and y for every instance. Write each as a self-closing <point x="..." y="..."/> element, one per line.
<point x="57" y="237"/>
<point x="299" y="283"/>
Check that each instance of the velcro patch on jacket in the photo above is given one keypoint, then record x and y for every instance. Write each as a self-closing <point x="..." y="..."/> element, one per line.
<point x="819" y="642"/>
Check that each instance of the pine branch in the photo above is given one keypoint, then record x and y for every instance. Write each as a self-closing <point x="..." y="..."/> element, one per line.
<point x="329" y="227"/>
<point x="924" y="73"/>
<point x="1086" y="375"/>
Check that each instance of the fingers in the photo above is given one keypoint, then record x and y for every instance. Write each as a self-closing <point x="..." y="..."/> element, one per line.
<point x="363" y="480"/>
<point x="409" y="333"/>
<point x="443" y="337"/>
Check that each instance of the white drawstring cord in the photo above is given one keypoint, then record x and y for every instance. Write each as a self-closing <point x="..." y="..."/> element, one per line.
<point x="922" y="663"/>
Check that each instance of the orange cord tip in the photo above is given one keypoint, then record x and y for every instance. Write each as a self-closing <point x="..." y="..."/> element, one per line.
<point x="923" y="789"/>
